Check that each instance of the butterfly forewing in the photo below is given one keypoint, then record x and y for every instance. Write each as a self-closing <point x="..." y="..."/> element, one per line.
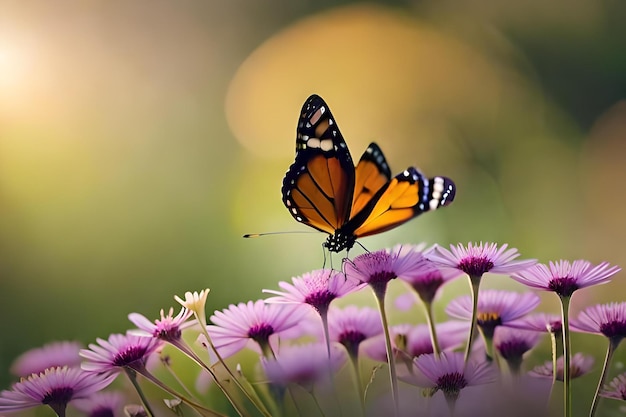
<point x="372" y="174"/>
<point x="318" y="186"/>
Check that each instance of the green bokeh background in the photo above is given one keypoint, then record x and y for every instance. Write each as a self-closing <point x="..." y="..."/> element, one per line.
<point x="123" y="180"/>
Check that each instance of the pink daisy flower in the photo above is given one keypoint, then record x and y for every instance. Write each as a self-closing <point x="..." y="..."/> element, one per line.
<point x="55" y="387"/>
<point x="564" y="278"/>
<point x="495" y="308"/>
<point x="51" y="355"/>
<point x="101" y="404"/>
<point x="118" y="352"/>
<point x="450" y="374"/>
<point x="304" y="365"/>
<point x="317" y="289"/>
<point x="375" y="348"/>
<point x="255" y="321"/>
<point x="616" y="389"/>
<point x="512" y="344"/>
<point x="580" y="365"/>
<point x="478" y="259"/>
<point x="168" y="328"/>
<point x="380" y="267"/>
<point x="539" y="322"/>
<point x="427" y="278"/>
<point x="352" y="325"/>
<point x="608" y="320"/>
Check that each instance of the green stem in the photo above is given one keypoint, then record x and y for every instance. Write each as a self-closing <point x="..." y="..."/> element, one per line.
<point x="428" y="306"/>
<point x="359" y="385"/>
<point x="199" y="407"/>
<point x="380" y="298"/>
<point x="475" y="284"/>
<point x="132" y="375"/>
<point x="610" y="350"/>
<point x="250" y="397"/>
<point x="567" y="394"/>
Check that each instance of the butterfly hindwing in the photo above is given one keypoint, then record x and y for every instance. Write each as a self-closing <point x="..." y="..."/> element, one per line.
<point x="318" y="187"/>
<point x="406" y="196"/>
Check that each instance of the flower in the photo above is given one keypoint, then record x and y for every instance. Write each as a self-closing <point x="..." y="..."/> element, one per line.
<point x="605" y="319"/>
<point x="564" y="278"/>
<point x="118" y="352"/>
<point x="375" y="348"/>
<point x="539" y="322"/>
<point x="477" y="259"/>
<point x="616" y="388"/>
<point x="512" y="344"/>
<point x="235" y="327"/>
<point x="317" y="289"/>
<point x="101" y="404"/>
<point x="495" y="308"/>
<point x="51" y="355"/>
<point x="450" y="374"/>
<point x="303" y="365"/>
<point x="580" y="365"/>
<point x="168" y="328"/>
<point x="352" y="325"/>
<point x="195" y="302"/>
<point x="54" y="387"/>
<point x="380" y="267"/>
<point x="428" y="278"/>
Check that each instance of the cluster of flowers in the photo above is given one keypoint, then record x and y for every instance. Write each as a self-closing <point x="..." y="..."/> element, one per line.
<point x="320" y="360"/>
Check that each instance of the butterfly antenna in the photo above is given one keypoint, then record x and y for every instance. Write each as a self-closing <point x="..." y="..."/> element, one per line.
<point x="362" y="247"/>
<point x="251" y="235"/>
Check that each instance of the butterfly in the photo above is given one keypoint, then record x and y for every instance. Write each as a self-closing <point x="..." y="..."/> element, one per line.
<point x="324" y="190"/>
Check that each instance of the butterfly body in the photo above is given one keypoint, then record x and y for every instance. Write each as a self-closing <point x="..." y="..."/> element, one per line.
<point x="324" y="190"/>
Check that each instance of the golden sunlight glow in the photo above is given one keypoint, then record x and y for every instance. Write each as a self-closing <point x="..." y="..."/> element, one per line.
<point x="15" y="69"/>
<point x="357" y="58"/>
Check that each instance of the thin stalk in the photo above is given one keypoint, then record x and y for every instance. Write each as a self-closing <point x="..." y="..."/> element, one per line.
<point x="567" y="394"/>
<point x="475" y="284"/>
<point x="324" y="315"/>
<point x="192" y="355"/>
<point x="610" y="350"/>
<point x="380" y="298"/>
<point x="132" y="375"/>
<point x="250" y="397"/>
<point x="199" y="407"/>
<point x="428" y="306"/>
<point x="359" y="385"/>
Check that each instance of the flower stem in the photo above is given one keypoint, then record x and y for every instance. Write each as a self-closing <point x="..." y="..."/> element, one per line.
<point x="359" y="385"/>
<point x="380" y="298"/>
<point x="428" y="306"/>
<point x="610" y="350"/>
<point x="567" y="394"/>
<point x="475" y="284"/>
<point x="200" y="408"/>
<point x="249" y="396"/>
<point x="132" y="375"/>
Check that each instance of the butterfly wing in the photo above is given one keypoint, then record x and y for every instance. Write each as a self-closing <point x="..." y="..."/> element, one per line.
<point x="372" y="174"/>
<point x="406" y="196"/>
<point x="318" y="187"/>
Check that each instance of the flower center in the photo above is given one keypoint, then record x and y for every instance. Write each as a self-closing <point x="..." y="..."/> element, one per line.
<point x="102" y="412"/>
<point x="261" y="333"/>
<point x="452" y="382"/>
<point x="351" y="339"/>
<point x="130" y="355"/>
<point x="488" y="321"/>
<point x="58" y="396"/>
<point x="320" y="300"/>
<point x="427" y="286"/>
<point x="475" y="266"/>
<point x="614" y="329"/>
<point x="513" y="349"/>
<point x="564" y="287"/>
<point x="167" y="331"/>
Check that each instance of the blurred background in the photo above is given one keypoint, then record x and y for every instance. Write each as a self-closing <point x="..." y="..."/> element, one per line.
<point x="139" y="140"/>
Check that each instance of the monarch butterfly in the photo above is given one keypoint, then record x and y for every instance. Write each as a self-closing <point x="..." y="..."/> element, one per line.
<point x="324" y="190"/>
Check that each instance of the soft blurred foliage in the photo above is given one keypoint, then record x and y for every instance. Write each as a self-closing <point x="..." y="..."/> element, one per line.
<point x="140" y="139"/>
